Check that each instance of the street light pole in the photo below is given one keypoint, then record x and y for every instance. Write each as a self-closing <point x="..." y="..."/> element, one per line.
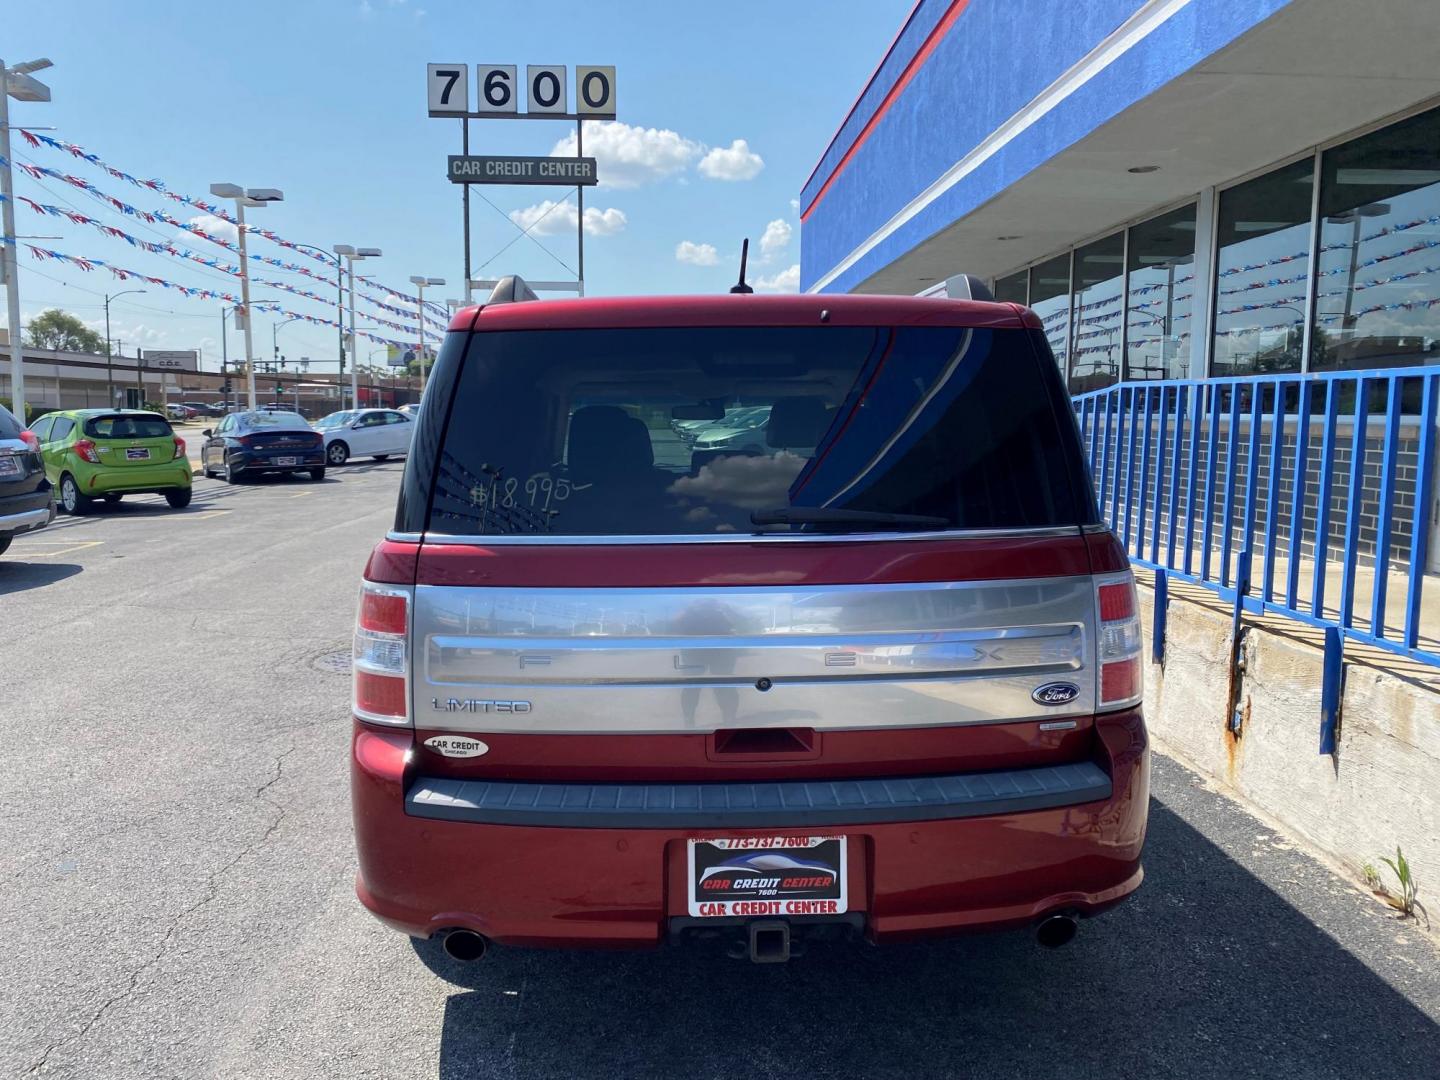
<point x="109" y="368"/>
<point x="14" y="82"/>
<point x="246" y="197"/>
<point x="420" y="283"/>
<point x="353" y="254"/>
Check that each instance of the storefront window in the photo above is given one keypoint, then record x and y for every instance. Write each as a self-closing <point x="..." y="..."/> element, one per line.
<point x="1162" y="289"/>
<point x="1014" y="289"/>
<point x="1263" y="233"/>
<point x="1050" y="299"/>
<point x="1098" y="308"/>
<point x="1377" y="279"/>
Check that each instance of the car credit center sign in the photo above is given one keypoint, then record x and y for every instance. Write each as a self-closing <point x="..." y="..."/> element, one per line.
<point x="172" y="360"/>
<point x="522" y="170"/>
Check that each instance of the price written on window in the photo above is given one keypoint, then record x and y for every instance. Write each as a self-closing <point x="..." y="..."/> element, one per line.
<point x="538" y="491"/>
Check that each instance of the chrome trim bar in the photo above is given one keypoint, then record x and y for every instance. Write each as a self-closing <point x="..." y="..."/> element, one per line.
<point x="547" y="539"/>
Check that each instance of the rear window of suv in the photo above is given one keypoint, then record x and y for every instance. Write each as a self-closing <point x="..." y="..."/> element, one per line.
<point x="665" y="431"/>
<point x="127" y="427"/>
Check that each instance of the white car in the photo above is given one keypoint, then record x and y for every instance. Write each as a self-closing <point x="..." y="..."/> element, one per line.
<point x="376" y="433"/>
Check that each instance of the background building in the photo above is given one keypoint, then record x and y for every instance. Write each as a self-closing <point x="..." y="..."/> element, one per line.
<point x="1178" y="187"/>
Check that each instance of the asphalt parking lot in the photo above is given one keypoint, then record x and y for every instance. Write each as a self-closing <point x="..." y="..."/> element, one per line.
<point x="177" y="870"/>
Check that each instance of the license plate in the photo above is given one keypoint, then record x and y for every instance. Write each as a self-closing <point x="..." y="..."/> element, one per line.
<point x="132" y="454"/>
<point x="287" y="461"/>
<point x="10" y="466"/>
<point x="767" y="876"/>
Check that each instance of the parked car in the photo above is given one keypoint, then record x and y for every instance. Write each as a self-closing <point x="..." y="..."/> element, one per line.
<point x="743" y="430"/>
<point x="880" y="679"/>
<point x="262" y="442"/>
<point x="410" y="409"/>
<point x="376" y="433"/>
<point x="181" y="412"/>
<point x="206" y="408"/>
<point x="282" y="407"/>
<point x="27" y="499"/>
<point x="104" y="454"/>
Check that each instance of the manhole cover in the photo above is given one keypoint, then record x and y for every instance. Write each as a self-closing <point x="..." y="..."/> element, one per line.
<point x="336" y="663"/>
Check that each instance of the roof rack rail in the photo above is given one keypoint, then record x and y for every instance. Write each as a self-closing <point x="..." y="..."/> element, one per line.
<point x="960" y="287"/>
<point x="511" y="290"/>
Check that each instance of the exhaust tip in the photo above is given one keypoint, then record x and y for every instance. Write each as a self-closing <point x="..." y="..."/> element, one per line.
<point x="1056" y="930"/>
<point x="465" y="946"/>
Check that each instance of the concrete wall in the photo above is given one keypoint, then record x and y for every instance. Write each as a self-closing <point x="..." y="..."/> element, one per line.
<point x="1382" y="788"/>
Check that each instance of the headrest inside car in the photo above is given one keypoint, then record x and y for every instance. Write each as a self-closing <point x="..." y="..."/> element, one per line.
<point x="797" y="422"/>
<point x="607" y="442"/>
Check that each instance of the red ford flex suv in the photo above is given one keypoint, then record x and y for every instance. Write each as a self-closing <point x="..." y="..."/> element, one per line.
<point x="876" y="673"/>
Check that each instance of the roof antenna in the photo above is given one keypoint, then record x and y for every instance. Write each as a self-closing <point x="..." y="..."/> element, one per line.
<point x="740" y="286"/>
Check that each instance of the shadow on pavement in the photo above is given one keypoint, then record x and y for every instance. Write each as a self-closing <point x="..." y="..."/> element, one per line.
<point x="1205" y="973"/>
<point x="17" y="575"/>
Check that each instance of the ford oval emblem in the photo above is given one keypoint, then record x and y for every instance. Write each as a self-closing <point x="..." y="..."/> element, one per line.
<point x="1056" y="693"/>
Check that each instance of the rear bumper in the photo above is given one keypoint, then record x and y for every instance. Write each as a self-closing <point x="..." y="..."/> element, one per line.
<point x="25" y="513"/>
<point x="619" y="883"/>
<point x="250" y="461"/>
<point x="165" y="476"/>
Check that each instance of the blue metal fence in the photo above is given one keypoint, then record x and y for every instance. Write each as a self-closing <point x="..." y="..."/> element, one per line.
<point x="1312" y="475"/>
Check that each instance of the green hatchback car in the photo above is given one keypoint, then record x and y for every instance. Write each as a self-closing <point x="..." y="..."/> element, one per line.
<point x="102" y="454"/>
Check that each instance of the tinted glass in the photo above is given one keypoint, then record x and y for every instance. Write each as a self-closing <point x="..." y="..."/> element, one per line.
<point x="1162" y="285"/>
<point x="336" y="419"/>
<point x="10" y="427"/>
<point x="1096" y="314"/>
<point x="1050" y="297"/>
<point x="1014" y="289"/>
<point x="41" y="427"/>
<point x="63" y="426"/>
<point x="576" y="432"/>
<point x="1264" y="235"/>
<point x="127" y="427"/>
<point x="1377" y="283"/>
<point x="271" y="421"/>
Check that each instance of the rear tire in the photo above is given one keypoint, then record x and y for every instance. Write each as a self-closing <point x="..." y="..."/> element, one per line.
<point x="110" y="498"/>
<point x="337" y="453"/>
<point x="71" y="501"/>
<point x="229" y="475"/>
<point x="178" y="498"/>
<point x="318" y="473"/>
<point x="382" y="457"/>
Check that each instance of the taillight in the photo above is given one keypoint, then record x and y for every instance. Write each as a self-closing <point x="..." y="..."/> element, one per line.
<point x="28" y="438"/>
<point x="381" y="657"/>
<point x="87" y="451"/>
<point x="1118" y="645"/>
<point x="179" y="448"/>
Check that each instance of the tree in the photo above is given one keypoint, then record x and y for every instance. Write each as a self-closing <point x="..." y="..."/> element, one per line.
<point x="56" y="329"/>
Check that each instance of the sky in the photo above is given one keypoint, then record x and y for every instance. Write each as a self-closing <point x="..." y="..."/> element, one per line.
<point x="723" y="110"/>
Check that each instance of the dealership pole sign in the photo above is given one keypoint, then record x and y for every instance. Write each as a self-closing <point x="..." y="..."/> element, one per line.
<point x="547" y="94"/>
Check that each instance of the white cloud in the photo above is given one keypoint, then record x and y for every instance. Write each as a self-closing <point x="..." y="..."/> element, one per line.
<point x="795" y="205"/>
<point x="627" y="157"/>
<point x="131" y="334"/>
<point x="366" y="10"/>
<point x="696" y="254"/>
<point x="787" y="280"/>
<point x="549" y="218"/>
<point x="776" y="239"/>
<point x="216" y="226"/>
<point x="737" y="162"/>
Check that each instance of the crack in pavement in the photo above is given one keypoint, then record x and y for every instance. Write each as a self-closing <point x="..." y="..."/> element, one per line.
<point x="212" y="890"/>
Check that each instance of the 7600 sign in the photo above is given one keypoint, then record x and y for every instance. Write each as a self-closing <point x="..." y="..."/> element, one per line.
<point x="498" y="91"/>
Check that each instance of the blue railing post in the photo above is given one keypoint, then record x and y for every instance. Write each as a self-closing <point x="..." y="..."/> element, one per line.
<point x="1389" y="450"/>
<point x="1232" y="465"/>
<point x="1144" y="478"/>
<point x="1272" y="491"/>
<point x="1158" y="619"/>
<point x="1330" y="682"/>
<point x="1322" y="505"/>
<point x="1420" y="515"/>
<point x="1211" y="451"/>
<point x="1356" y="488"/>
<point x="1299" y="475"/>
<point x="1180" y="403"/>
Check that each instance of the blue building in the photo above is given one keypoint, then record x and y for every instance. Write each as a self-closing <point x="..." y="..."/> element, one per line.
<point x="1226" y="210"/>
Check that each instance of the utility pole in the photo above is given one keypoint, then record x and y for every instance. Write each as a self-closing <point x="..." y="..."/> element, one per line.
<point x="14" y="82"/>
<point x="580" y="198"/>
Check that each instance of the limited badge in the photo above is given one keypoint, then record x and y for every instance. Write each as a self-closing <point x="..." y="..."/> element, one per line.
<point x="457" y="746"/>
